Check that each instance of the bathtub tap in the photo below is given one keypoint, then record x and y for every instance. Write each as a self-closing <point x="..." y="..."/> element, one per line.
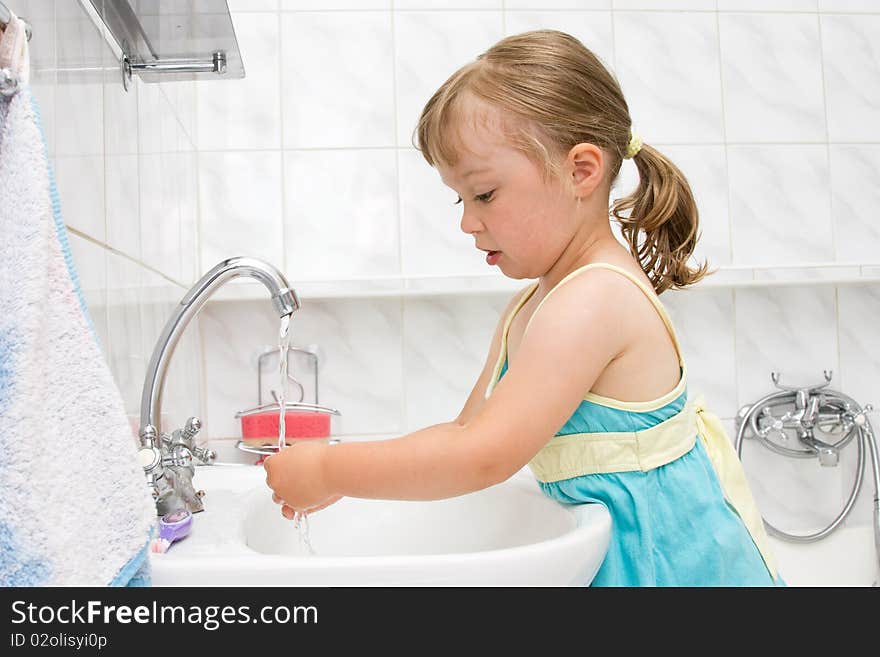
<point x="167" y="458"/>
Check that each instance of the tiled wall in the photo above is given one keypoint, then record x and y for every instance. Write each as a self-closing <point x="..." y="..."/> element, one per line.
<point x="126" y="170"/>
<point x="770" y="108"/>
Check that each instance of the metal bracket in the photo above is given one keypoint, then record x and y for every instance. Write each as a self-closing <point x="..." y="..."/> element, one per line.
<point x="217" y="64"/>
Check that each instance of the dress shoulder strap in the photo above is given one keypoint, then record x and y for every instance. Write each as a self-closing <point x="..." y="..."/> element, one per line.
<point x="502" y="352"/>
<point x="652" y="297"/>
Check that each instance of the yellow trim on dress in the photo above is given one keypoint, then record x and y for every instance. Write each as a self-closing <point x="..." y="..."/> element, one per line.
<point x="603" y="452"/>
<point x="502" y="352"/>
<point x="636" y="406"/>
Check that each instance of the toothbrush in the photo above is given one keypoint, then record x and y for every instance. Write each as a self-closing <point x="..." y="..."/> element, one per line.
<point x="172" y="527"/>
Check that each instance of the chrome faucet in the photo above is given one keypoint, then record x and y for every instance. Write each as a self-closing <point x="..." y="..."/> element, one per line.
<point x="167" y="458"/>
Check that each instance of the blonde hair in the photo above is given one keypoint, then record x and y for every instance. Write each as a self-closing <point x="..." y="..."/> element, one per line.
<point x="555" y="93"/>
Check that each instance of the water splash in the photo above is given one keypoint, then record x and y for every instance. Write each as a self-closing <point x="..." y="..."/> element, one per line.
<point x="283" y="347"/>
<point x="300" y="520"/>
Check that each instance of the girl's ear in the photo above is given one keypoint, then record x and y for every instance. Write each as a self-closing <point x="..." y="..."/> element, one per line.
<point x="587" y="164"/>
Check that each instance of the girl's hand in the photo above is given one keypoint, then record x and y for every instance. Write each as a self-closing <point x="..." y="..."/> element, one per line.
<point x="296" y="477"/>
<point x="290" y="514"/>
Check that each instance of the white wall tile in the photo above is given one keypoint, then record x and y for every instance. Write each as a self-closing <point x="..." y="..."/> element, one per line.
<point x="592" y="28"/>
<point x="865" y="6"/>
<point x="445" y="343"/>
<point x="240" y="206"/>
<point x="90" y="262"/>
<point x="245" y="113"/>
<point x="80" y="181"/>
<point x="859" y="314"/>
<point x="771" y="72"/>
<point x="429" y="47"/>
<point x="557" y="4"/>
<point x="324" y="5"/>
<point x="182" y="97"/>
<point x="122" y="177"/>
<point x="854" y="197"/>
<point x="161" y="202"/>
<point x="238" y="6"/>
<point x="188" y="198"/>
<point x="182" y="395"/>
<point x="360" y="372"/>
<point x="232" y="335"/>
<point x="791" y="330"/>
<point x="851" y="57"/>
<point x="667" y="64"/>
<point x="704" y="323"/>
<point x="405" y="5"/>
<point x="341" y="216"/>
<point x="780" y="205"/>
<point x="79" y="93"/>
<point x="337" y="73"/>
<point x="657" y="5"/>
<point x="158" y="128"/>
<point x="767" y="5"/>
<point x="120" y="112"/>
<point x="125" y="328"/>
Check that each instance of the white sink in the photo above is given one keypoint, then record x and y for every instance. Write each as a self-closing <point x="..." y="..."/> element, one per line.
<point x="506" y="535"/>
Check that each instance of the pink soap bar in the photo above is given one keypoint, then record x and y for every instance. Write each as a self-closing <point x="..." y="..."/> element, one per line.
<point x="297" y="424"/>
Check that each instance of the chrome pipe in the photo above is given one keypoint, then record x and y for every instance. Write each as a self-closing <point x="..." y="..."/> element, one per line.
<point x="284" y="300"/>
<point x="216" y="65"/>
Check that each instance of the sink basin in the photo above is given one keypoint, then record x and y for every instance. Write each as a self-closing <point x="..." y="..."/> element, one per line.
<point x="510" y="534"/>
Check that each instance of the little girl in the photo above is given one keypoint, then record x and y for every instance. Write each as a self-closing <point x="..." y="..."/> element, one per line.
<point x="531" y="136"/>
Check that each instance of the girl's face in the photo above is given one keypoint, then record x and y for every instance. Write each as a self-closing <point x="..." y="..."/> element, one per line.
<point x="507" y="205"/>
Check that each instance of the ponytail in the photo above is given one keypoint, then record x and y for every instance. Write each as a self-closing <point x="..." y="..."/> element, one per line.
<point x="662" y="227"/>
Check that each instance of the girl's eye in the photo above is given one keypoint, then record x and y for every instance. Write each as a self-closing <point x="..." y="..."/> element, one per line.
<point x="483" y="198"/>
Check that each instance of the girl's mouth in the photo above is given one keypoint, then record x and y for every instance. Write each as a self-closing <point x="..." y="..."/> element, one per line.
<point x="492" y="257"/>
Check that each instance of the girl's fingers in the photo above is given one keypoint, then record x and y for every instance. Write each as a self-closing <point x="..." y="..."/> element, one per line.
<point x="277" y="499"/>
<point x="287" y="512"/>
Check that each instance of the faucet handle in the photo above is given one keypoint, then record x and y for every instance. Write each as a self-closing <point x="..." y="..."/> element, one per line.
<point x="180" y="457"/>
<point x="861" y="418"/>
<point x="773" y="425"/>
<point x="205" y="455"/>
<point x="191" y="428"/>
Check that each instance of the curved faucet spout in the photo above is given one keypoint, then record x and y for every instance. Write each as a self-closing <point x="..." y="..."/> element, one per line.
<point x="284" y="300"/>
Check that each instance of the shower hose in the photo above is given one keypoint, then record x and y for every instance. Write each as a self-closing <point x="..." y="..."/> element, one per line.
<point x="831" y="412"/>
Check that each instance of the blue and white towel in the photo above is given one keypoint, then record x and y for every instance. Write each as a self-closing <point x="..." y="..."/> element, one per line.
<point x="74" y="506"/>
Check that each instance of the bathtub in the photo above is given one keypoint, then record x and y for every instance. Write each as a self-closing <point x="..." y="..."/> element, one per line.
<point x="846" y="557"/>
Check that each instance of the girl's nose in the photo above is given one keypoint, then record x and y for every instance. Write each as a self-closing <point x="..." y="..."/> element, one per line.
<point x="469" y="223"/>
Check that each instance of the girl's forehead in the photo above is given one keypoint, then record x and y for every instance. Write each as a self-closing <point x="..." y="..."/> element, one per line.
<point x="479" y="127"/>
<point x="478" y="140"/>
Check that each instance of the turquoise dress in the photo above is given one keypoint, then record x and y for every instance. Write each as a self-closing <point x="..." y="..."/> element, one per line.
<point x="671" y="525"/>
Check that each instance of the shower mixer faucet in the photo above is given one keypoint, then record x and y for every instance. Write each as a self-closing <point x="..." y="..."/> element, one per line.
<point x="809" y="409"/>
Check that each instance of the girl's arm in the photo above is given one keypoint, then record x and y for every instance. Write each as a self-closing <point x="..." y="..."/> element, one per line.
<point x="576" y="333"/>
